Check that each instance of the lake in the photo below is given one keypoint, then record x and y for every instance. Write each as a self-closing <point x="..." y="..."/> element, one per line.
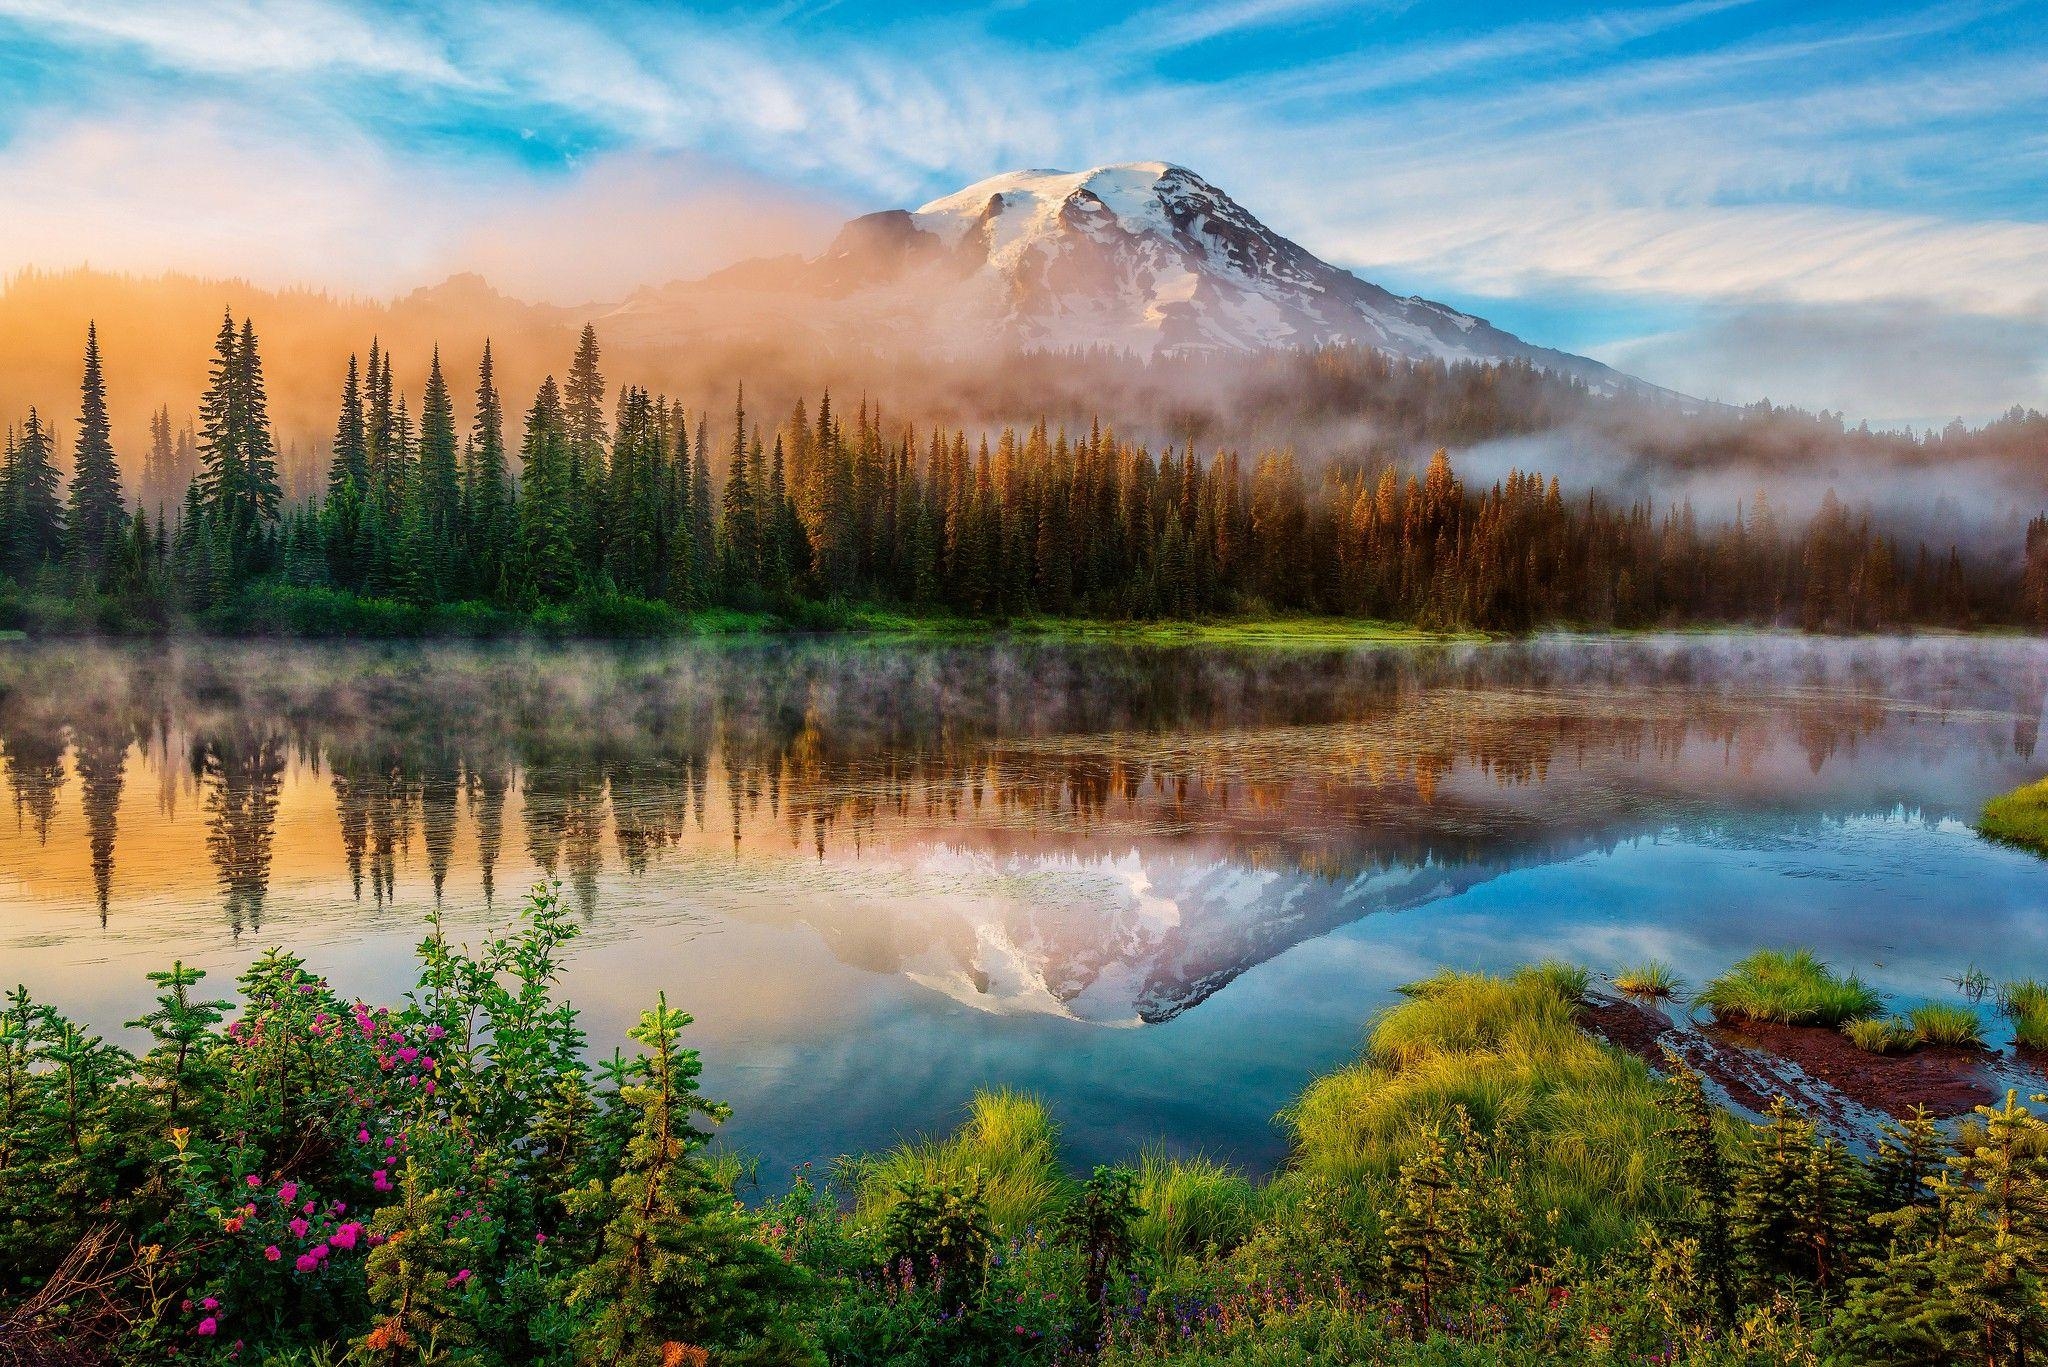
<point x="1161" y="887"/>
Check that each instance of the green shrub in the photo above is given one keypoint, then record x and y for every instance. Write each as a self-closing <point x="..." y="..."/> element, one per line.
<point x="1650" y="978"/>
<point x="1789" y="988"/>
<point x="1881" y="1035"/>
<point x="1941" y="1023"/>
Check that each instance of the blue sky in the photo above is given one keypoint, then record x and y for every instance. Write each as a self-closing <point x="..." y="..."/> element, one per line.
<point x="1838" y="204"/>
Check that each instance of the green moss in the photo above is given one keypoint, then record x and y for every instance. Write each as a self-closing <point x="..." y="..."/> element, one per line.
<point x="2019" y="818"/>
<point x="1790" y="988"/>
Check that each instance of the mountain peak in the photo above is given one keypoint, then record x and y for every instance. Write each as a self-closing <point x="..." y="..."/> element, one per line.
<point x="1140" y="256"/>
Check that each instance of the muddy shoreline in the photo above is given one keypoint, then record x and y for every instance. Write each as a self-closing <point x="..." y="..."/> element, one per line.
<point x="1826" y="1077"/>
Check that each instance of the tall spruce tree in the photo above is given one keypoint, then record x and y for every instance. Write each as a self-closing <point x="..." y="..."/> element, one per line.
<point x="34" y="513"/>
<point x="488" y="493"/>
<point x="98" y="513"/>
<point x="548" y="567"/>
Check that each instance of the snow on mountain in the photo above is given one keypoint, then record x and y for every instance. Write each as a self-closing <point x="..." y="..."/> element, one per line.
<point x="1146" y="257"/>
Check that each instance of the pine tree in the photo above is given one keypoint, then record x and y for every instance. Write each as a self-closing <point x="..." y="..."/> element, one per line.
<point x="489" y="495"/>
<point x="1428" y="1242"/>
<point x="416" y="1272"/>
<point x="98" y="514"/>
<point x="1703" y="1175"/>
<point x="548" y="565"/>
<point x="739" y="547"/>
<point x="678" y="1266"/>
<point x="34" y="513"/>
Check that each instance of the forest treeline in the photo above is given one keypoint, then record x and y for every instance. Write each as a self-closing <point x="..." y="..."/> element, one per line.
<point x="620" y="494"/>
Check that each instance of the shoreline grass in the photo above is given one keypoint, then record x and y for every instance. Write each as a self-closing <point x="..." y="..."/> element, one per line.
<point x="1789" y="987"/>
<point x="1882" y="1035"/>
<point x="1942" y="1023"/>
<point x="1652" y="978"/>
<point x="1589" y="1123"/>
<point x="272" y="610"/>
<point x="2025" y="1004"/>
<point x="2018" y="818"/>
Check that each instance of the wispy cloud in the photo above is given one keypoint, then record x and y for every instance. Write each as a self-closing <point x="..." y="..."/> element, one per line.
<point x="1710" y="152"/>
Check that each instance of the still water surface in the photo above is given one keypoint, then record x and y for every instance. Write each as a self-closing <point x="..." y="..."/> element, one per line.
<point x="1163" y="888"/>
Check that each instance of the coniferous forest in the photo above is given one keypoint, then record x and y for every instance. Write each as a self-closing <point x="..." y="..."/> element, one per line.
<point x="608" y="509"/>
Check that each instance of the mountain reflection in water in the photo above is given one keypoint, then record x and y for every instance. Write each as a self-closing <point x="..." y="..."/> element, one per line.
<point x="1103" y="834"/>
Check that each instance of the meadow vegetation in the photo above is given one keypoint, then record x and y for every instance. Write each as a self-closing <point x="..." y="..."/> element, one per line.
<point x="1789" y="987"/>
<point x="1650" y="978"/>
<point x="2018" y="818"/>
<point x="306" y="1180"/>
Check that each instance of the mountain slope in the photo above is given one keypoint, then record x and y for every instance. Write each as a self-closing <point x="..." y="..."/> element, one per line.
<point x="1144" y="257"/>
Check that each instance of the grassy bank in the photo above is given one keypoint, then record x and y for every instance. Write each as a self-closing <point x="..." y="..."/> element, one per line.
<point x="279" y="610"/>
<point x="2018" y="818"/>
<point x="312" y="1180"/>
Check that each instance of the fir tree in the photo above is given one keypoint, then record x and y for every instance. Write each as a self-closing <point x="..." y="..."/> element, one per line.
<point x="98" y="514"/>
<point x="34" y="513"/>
<point x="547" y="547"/>
<point x="678" y="1264"/>
<point x="488" y="494"/>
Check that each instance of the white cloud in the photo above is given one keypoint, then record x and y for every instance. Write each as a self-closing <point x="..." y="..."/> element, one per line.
<point x="1789" y="165"/>
<point x="202" y="193"/>
<point x="247" y="36"/>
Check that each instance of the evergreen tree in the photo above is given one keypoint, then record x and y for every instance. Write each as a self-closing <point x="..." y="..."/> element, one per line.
<point x="548" y="565"/>
<point x="489" y="496"/>
<point x="34" y="513"/>
<point x="98" y="514"/>
<point x="678" y="1264"/>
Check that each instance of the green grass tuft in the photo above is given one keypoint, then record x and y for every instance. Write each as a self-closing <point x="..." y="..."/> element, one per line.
<point x="1650" y="978"/>
<point x="1588" y="1120"/>
<point x="1193" y="1205"/>
<point x="1789" y="987"/>
<point x="2025" y="1004"/>
<point x="1941" y="1023"/>
<point x="1009" y="1138"/>
<point x="1882" y="1034"/>
<point x="2019" y="818"/>
<point x="1567" y="980"/>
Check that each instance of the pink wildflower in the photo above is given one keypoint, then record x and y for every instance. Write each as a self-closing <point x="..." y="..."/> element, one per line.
<point x="298" y="1229"/>
<point x="253" y="1180"/>
<point x="381" y="1180"/>
<point x="273" y="1253"/>
<point x="207" y="1328"/>
<point x="345" y="1237"/>
<point x="287" y="1193"/>
<point x="306" y="1262"/>
<point x="209" y="1304"/>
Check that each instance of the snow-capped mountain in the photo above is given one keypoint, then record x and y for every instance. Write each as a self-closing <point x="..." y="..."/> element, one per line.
<point x="1145" y="257"/>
